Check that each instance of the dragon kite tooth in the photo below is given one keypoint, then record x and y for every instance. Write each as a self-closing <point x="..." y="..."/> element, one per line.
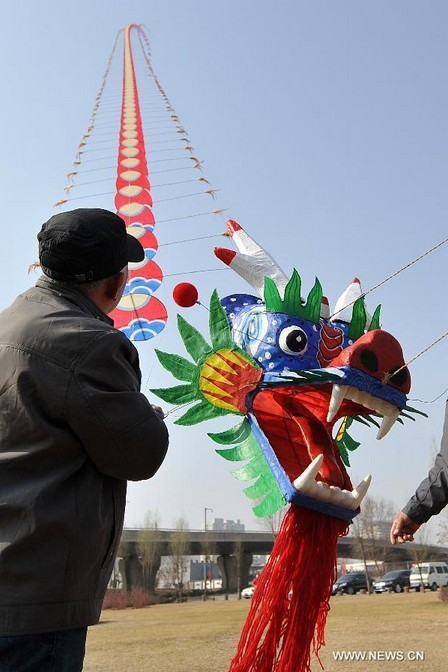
<point x="360" y="491"/>
<point x="389" y="420"/>
<point x="307" y="485"/>
<point x="305" y="481"/>
<point x="389" y="412"/>
<point x="338" y="395"/>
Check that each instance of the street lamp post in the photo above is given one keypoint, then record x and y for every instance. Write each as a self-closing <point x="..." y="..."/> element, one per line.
<point x="204" y="597"/>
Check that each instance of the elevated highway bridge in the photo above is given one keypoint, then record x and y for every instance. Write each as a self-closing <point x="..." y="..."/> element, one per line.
<point x="227" y="544"/>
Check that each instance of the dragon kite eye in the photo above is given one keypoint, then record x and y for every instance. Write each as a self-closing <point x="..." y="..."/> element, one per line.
<point x="293" y="341"/>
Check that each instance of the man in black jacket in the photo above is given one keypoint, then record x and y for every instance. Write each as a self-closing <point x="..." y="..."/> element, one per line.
<point x="74" y="428"/>
<point x="430" y="498"/>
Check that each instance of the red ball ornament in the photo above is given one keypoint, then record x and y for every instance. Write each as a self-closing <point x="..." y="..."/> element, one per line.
<point x="185" y="294"/>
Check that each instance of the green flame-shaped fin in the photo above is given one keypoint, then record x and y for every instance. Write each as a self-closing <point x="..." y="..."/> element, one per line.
<point x="179" y="367"/>
<point x="195" y="344"/>
<point x="359" y="319"/>
<point x="345" y="442"/>
<point x="265" y="487"/>
<point x="180" y="394"/>
<point x="220" y="332"/>
<point x="292" y="294"/>
<point x="375" y="321"/>
<point x="292" y="302"/>
<point x="201" y="412"/>
<point x="232" y="435"/>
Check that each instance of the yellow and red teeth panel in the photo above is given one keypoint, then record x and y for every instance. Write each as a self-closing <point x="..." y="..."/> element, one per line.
<point x="138" y="314"/>
<point x="226" y="377"/>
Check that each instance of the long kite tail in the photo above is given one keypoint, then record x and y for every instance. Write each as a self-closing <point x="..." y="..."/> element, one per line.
<point x="291" y="600"/>
<point x="139" y="313"/>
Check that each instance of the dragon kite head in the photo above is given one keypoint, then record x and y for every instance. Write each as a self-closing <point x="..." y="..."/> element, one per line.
<point x="293" y="370"/>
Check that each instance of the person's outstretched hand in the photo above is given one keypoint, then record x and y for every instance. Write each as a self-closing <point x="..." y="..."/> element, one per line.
<point x="403" y="529"/>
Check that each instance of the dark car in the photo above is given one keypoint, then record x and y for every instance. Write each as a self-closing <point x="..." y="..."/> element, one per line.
<point x="396" y="580"/>
<point x="351" y="583"/>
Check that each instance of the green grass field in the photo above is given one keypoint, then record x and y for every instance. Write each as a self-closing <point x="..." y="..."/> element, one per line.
<point x="201" y="637"/>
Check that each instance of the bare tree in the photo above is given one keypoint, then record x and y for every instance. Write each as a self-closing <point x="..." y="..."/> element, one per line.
<point x="370" y="529"/>
<point x="360" y="545"/>
<point x="179" y="548"/>
<point x="238" y="552"/>
<point x="208" y="545"/>
<point x="272" y="523"/>
<point x="149" y="548"/>
<point x="420" y="550"/>
<point x="442" y="534"/>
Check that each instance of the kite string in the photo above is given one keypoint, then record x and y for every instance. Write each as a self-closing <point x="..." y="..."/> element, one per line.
<point x="190" y="240"/>
<point x="432" y="401"/>
<point x="403" y="268"/>
<point x="388" y="376"/>
<point x="393" y="275"/>
<point x="210" y="192"/>
<point x="96" y="106"/>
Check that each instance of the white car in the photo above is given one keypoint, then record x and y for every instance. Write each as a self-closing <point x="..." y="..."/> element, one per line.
<point x="248" y="592"/>
<point x="431" y="575"/>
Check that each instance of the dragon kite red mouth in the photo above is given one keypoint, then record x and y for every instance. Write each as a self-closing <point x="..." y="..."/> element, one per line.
<point x="298" y="420"/>
<point x="294" y="421"/>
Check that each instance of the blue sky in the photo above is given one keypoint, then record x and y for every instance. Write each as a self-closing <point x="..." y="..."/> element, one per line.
<point x="324" y="127"/>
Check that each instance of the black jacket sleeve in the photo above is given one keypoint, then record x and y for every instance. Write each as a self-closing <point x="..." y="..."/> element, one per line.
<point x="432" y="493"/>
<point x="114" y="421"/>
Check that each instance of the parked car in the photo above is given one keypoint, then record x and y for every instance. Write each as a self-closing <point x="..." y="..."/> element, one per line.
<point x="351" y="583"/>
<point x="248" y="592"/>
<point x="396" y="580"/>
<point x="429" y="574"/>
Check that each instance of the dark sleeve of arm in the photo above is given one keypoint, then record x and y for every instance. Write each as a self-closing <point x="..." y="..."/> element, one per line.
<point x="116" y="424"/>
<point x="432" y="494"/>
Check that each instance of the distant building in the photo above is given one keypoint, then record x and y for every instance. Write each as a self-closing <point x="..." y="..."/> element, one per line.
<point x="197" y="572"/>
<point x="377" y="529"/>
<point x="221" y="525"/>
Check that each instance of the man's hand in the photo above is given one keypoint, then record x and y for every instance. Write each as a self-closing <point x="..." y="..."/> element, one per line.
<point x="158" y="411"/>
<point x="403" y="529"/>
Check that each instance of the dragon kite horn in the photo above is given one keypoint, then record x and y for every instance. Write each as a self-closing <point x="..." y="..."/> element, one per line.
<point x="252" y="263"/>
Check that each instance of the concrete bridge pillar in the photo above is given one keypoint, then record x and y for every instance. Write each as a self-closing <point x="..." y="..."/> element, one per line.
<point x="134" y="574"/>
<point x="131" y="572"/>
<point x="232" y="568"/>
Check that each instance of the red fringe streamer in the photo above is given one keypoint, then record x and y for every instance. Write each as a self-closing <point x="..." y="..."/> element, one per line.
<point x="291" y="601"/>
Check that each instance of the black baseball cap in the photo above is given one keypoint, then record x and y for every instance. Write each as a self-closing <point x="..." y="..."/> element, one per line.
<point x="85" y="245"/>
